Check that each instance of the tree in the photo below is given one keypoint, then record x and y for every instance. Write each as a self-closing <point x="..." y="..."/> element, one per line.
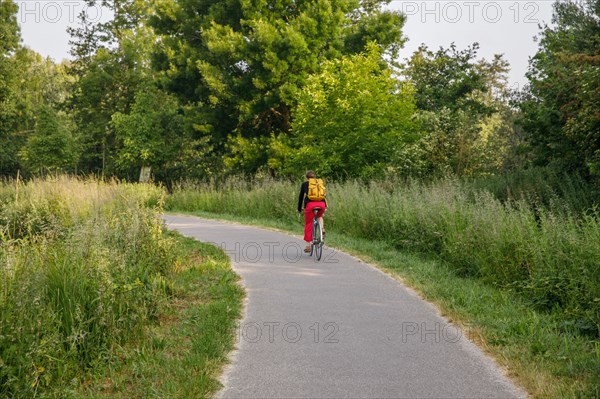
<point x="241" y="63"/>
<point x="151" y="134"/>
<point x="560" y="107"/>
<point x="111" y="64"/>
<point x="352" y="120"/>
<point x="464" y="113"/>
<point x="40" y="96"/>
<point x="452" y="78"/>
<point x="10" y="39"/>
<point x="51" y="147"/>
<point x="32" y="89"/>
<point x="42" y="82"/>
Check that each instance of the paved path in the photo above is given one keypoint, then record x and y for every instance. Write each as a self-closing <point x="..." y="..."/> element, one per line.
<point x="338" y="328"/>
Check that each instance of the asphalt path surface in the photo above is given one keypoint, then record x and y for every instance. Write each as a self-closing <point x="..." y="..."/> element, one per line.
<point x="337" y="328"/>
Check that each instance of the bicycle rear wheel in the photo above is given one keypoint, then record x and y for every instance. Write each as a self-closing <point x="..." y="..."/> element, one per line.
<point x="318" y="239"/>
<point x="314" y="235"/>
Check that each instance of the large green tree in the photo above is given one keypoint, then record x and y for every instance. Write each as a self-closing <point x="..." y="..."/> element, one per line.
<point x="41" y="82"/>
<point x="560" y="108"/>
<point x="352" y="120"/>
<point x="241" y="63"/>
<point x="111" y="64"/>
<point x="32" y="91"/>
<point x="454" y="79"/>
<point x="10" y="39"/>
<point x="151" y="134"/>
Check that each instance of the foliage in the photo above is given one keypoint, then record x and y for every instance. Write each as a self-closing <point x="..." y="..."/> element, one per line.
<point x="560" y="108"/>
<point x="111" y="64"/>
<point x="43" y="82"/>
<point x="151" y="134"/>
<point x="543" y="188"/>
<point x="455" y="79"/>
<point x="9" y="43"/>
<point x="34" y="131"/>
<point x="241" y="63"/>
<point x="241" y="76"/>
<point x="50" y="147"/>
<point x="46" y="129"/>
<point x="466" y="122"/>
<point x="352" y="120"/>
<point x="9" y="29"/>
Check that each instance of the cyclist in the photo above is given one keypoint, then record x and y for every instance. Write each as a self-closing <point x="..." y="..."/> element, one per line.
<point x="309" y="205"/>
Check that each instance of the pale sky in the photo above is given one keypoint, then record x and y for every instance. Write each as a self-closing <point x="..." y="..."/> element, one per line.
<point x="501" y="26"/>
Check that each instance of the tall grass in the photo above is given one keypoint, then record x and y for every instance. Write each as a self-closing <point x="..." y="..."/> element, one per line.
<point x="548" y="252"/>
<point x="542" y="187"/>
<point x="83" y="267"/>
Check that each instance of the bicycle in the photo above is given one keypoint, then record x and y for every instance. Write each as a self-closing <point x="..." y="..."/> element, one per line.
<point x="316" y="246"/>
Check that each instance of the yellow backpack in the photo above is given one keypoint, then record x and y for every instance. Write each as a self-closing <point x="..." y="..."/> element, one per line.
<point x="316" y="189"/>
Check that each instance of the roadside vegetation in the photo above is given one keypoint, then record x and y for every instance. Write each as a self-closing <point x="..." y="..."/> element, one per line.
<point x="91" y="283"/>
<point x="518" y="266"/>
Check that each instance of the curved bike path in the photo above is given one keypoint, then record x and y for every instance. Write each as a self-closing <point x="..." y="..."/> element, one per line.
<point x="338" y="328"/>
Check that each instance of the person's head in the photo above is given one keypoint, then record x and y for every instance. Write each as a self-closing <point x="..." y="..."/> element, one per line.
<point x="310" y="174"/>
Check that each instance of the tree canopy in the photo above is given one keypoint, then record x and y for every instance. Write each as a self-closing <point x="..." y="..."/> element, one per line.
<point x="241" y="63"/>
<point x="465" y="120"/>
<point x="351" y="120"/>
<point x="560" y="108"/>
<point x="200" y="89"/>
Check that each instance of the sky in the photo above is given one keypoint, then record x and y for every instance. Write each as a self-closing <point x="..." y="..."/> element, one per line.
<point x="503" y="27"/>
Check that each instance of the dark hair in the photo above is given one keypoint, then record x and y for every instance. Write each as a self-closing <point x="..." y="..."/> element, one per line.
<point x="310" y="174"/>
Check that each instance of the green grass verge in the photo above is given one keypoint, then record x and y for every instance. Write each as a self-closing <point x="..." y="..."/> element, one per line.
<point x="531" y="345"/>
<point x="97" y="300"/>
<point x="183" y="354"/>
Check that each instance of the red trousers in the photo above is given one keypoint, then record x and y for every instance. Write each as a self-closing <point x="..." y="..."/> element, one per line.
<point x="308" y="217"/>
